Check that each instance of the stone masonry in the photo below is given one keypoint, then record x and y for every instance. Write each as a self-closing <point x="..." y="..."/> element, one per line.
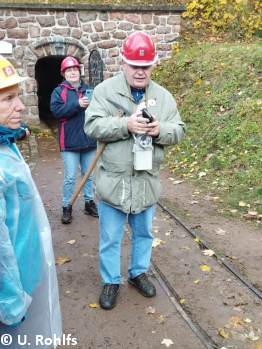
<point x="49" y="30"/>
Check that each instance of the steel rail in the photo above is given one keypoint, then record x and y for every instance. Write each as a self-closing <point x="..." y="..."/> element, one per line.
<point x="204" y="245"/>
<point x="203" y="336"/>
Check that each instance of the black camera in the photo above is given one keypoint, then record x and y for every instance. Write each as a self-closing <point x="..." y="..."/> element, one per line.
<point x="147" y="115"/>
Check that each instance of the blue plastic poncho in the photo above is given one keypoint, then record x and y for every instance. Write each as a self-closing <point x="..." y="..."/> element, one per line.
<point x="29" y="302"/>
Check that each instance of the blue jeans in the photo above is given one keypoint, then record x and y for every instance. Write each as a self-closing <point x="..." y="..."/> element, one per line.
<point x="111" y="225"/>
<point x="72" y="161"/>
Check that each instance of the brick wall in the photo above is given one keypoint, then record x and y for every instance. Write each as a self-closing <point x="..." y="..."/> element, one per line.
<point x="39" y="32"/>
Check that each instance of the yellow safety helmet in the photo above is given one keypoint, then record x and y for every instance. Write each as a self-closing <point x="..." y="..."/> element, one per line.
<point x="8" y="74"/>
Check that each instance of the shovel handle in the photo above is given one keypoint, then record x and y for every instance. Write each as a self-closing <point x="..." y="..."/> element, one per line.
<point x="87" y="174"/>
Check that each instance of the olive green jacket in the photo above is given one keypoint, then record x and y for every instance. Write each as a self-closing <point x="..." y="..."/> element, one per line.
<point x="117" y="183"/>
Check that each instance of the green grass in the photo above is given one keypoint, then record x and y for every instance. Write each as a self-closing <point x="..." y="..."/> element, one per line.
<point x="218" y="91"/>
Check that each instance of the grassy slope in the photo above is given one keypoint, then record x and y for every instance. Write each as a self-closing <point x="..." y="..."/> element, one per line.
<point x="217" y="90"/>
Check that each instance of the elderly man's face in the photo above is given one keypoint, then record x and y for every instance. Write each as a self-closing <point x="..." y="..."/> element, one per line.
<point x="11" y="107"/>
<point x="136" y="76"/>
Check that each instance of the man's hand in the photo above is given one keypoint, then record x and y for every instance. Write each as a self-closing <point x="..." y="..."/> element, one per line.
<point x="139" y="125"/>
<point x="83" y="102"/>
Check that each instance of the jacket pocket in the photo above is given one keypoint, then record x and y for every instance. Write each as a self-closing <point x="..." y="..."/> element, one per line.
<point x="113" y="182"/>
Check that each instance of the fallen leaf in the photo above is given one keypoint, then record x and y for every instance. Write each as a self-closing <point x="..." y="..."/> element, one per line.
<point x="182" y="301"/>
<point x="235" y="322"/>
<point x="252" y="336"/>
<point x="222" y="333"/>
<point x="157" y="242"/>
<point x="251" y="215"/>
<point x="202" y="174"/>
<point x="220" y="231"/>
<point x="94" y="305"/>
<point x="71" y="242"/>
<point x="62" y="260"/>
<point x="205" y="268"/>
<point x="196" y="282"/>
<point x="198" y="82"/>
<point x="247" y="320"/>
<point x="178" y="182"/>
<point x="197" y="240"/>
<point x="242" y="204"/>
<point x="193" y="202"/>
<point x="150" y="310"/>
<point x="208" y="253"/>
<point x="161" y="319"/>
<point x="167" y="342"/>
<point x="258" y="346"/>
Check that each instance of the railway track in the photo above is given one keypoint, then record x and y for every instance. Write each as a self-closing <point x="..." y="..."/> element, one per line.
<point x="203" y="320"/>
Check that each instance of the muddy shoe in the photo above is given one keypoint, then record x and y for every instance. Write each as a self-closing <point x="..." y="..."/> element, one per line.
<point x="67" y="215"/>
<point x="90" y="208"/>
<point x="107" y="299"/>
<point x="143" y="285"/>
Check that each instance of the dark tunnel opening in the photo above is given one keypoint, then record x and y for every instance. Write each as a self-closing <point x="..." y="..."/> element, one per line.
<point x="47" y="75"/>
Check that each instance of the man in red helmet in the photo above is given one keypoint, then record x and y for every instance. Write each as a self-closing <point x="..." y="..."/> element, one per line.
<point x="127" y="175"/>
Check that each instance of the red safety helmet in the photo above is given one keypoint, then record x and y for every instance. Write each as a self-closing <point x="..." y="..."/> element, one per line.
<point x="69" y="62"/>
<point x="138" y="49"/>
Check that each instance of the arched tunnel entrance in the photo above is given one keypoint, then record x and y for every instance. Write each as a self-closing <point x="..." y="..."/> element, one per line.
<point x="47" y="75"/>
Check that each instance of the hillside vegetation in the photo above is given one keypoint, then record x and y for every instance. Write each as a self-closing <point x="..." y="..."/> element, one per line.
<point x="217" y="87"/>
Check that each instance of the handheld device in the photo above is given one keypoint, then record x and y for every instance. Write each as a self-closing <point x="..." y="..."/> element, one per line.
<point x="147" y="115"/>
<point x="89" y="93"/>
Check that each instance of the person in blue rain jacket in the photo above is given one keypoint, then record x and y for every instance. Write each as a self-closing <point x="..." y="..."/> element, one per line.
<point x="29" y="301"/>
<point x="68" y="105"/>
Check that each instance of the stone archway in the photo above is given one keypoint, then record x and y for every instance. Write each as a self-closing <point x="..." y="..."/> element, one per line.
<point x="44" y="69"/>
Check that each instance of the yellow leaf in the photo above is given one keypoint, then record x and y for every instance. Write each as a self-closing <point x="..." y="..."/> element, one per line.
<point x="196" y="282"/>
<point x="62" y="260"/>
<point x="94" y="305"/>
<point x="198" y="82"/>
<point x="197" y="240"/>
<point x="242" y="204"/>
<point x="223" y="333"/>
<point x="258" y="346"/>
<point x="182" y="301"/>
<point x="235" y="322"/>
<point x="205" y="268"/>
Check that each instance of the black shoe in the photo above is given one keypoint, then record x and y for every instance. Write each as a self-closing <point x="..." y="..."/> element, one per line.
<point x="107" y="299"/>
<point x="67" y="215"/>
<point x="90" y="208"/>
<point x="143" y="285"/>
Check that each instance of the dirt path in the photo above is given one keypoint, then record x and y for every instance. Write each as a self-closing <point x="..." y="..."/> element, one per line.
<point x="240" y="242"/>
<point x="215" y="301"/>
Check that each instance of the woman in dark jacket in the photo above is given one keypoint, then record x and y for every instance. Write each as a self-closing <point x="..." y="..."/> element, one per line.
<point x="68" y="105"/>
